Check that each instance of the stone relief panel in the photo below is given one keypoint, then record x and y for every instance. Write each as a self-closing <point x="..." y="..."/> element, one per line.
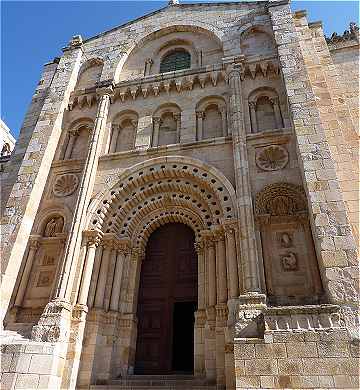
<point x="272" y="158"/>
<point x="290" y="264"/>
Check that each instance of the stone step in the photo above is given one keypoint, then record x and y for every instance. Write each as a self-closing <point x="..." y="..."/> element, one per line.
<point x="157" y="382"/>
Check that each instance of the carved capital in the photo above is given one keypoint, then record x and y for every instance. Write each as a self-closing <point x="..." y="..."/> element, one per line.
<point x="149" y="61"/>
<point x="105" y="91"/>
<point x="157" y="120"/>
<point x="137" y="254"/>
<point x="274" y="101"/>
<point x="34" y="241"/>
<point x="252" y="105"/>
<point x="92" y="237"/>
<point x="177" y="117"/>
<point x="199" y="247"/>
<point x="200" y="114"/>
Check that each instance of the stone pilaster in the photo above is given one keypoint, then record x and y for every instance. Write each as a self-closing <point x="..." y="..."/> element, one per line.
<point x="331" y="230"/>
<point x="247" y="238"/>
<point x="68" y="264"/>
<point x="30" y="169"/>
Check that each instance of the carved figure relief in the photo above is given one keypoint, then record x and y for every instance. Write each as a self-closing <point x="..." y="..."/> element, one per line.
<point x="65" y="185"/>
<point x="54" y="225"/>
<point x="289" y="262"/>
<point x="272" y="158"/>
<point x="45" y="279"/>
<point x="285" y="240"/>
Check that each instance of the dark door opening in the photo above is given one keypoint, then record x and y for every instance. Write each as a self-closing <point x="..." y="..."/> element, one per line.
<point x="167" y="302"/>
<point x="183" y="337"/>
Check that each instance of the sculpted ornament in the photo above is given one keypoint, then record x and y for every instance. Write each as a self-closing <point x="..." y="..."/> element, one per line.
<point x="280" y="199"/>
<point x="272" y="158"/>
<point x="65" y="185"/>
<point x="246" y="324"/>
<point x="289" y="262"/>
<point x="55" y="225"/>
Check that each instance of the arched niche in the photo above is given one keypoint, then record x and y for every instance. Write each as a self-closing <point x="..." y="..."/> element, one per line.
<point x="123" y="131"/>
<point x="76" y="139"/>
<point x="265" y="110"/>
<point x="144" y="59"/>
<point x="41" y="264"/>
<point x="90" y="73"/>
<point x="255" y="41"/>
<point x="211" y="116"/>
<point x="166" y="125"/>
<point x="290" y="264"/>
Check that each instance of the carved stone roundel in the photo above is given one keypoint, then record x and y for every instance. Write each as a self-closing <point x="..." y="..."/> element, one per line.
<point x="272" y="158"/>
<point x="65" y="184"/>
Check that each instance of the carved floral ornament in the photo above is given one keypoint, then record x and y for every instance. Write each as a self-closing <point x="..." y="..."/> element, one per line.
<point x="272" y="158"/>
<point x="65" y="185"/>
<point x="280" y="199"/>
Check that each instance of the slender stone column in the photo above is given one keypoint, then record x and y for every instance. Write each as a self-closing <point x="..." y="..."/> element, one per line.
<point x="199" y="337"/>
<point x="63" y="285"/>
<point x="211" y="271"/>
<point x="243" y="189"/>
<point x="148" y="65"/>
<point x="177" y="118"/>
<point x="224" y="121"/>
<point x="92" y="238"/>
<point x="33" y="247"/>
<point x="137" y="256"/>
<point x="70" y="145"/>
<point x="221" y="277"/>
<point x="278" y="118"/>
<point x="115" y="130"/>
<point x="200" y="116"/>
<point x="221" y="318"/>
<point x="157" y="123"/>
<point x="115" y="294"/>
<point x="232" y="265"/>
<point x="105" y="262"/>
<point x="96" y="271"/>
<point x="252" y="108"/>
<point x="199" y="247"/>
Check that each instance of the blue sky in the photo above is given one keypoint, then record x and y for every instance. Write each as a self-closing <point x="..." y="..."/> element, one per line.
<point x="33" y="33"/>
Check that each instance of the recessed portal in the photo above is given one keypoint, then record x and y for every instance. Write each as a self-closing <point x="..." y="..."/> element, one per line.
<point x="167" y="302"/>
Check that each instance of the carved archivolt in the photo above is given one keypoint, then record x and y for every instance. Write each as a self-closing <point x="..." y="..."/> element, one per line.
<point x="171" y="189"/>
<point x="280" y="199"/>
<point x="272" y="158"/>
<point x="65" y="185"/>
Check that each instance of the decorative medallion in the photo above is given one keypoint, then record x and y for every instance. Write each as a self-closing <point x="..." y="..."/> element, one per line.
<point x="65" y="184"/>
<point x="272" y="158"/>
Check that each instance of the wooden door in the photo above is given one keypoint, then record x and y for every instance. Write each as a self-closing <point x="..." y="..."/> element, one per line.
<point x="168" y="277"/>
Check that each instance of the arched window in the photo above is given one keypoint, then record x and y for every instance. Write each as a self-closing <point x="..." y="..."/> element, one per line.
<point x="168" y="129"/>
<point x="176" y="60"/>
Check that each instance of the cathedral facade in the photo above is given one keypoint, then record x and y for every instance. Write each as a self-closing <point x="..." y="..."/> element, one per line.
<point x="181" y="207"/>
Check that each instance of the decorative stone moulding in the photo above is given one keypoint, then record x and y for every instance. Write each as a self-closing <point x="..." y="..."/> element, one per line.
<point x="65" y="185"/>
<point x="272" y="158"/>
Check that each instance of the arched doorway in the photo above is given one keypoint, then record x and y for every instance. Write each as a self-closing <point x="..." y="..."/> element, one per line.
<point x="167" y="302"/>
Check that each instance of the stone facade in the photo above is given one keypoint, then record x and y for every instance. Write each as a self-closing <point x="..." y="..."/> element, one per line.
<point x="252" y="144"/>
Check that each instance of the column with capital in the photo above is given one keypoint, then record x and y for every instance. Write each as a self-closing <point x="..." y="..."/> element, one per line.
<point x="177" y="118"/>
<point x="231" y="260"/>
<point x="103" y="274"/>
<point x="116" y="288"/>
<point x="92" y="239"/>
<point x="63" y="286"/>
<point x="156" y="130"/>
<point x="278" y="118"/>
<point x="221" y="273"/>
<point x="33" y="247"/>
<point x="253" y="118"/>
<point x="200" y="314"/>
<point x="247" y="238"/>
<point x="223" y="112"/>
<point x="210" y="341"/>
<point x="200" y="116"/>
<point x="115" y="131"/>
